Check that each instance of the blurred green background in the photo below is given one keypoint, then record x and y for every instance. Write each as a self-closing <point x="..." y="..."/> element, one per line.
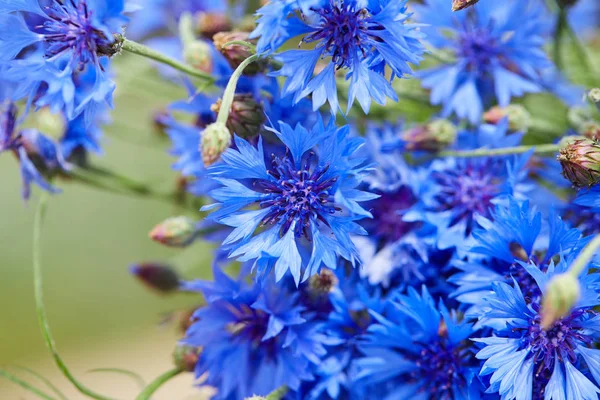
<point x="99" y="314"/>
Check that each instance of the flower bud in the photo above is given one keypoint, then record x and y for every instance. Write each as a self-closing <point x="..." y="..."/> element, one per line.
<point x="236" y="53"/>
<point x="197" y="54"/>
<point x="519" y="119"/>
<point x="580" y="161"/>
<point x="246" y="116"/>
<point x="561" y="294"/>
<point x="186" y="357"/>
<point x="209" y="24"/>
<point x="216" y="138"/>
<point x="458" y="5"/>
<point x="434" y="136"/>
<point x="159" y="277"/>
<point x="322" y="283"/>
<point x="594" y="96"/>
<point x="591" y="130"/>
<point x="175" y="232"/>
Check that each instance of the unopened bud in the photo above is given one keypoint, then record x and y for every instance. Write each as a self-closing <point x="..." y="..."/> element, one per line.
<point x="198" y="54"/>
<point x="580" y="161"/>
<point x="591" y="130"/>
<point x="594" y="96"/>
<point x="209" y="24"/>
<point x="434" y="136"/>
<point x="246" y="116"/>
<point x="175" y="232"/>
<point x="186" y="357"/>
<point x="216" y="138"/>
<point x="561" y="294"/>
<point x="323" y="283"/>
<point x="519" y="119"/>
<point x="237" y="53"/>
<point x="458" y="5"/>
<point x="159" y="277"/>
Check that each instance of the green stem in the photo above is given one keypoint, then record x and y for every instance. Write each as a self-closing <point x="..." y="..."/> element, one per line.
<point x="538" y="149"/>
<point x="39" y="301"/>
<point x="145" y="51"/>
<point x="247" y="45"/>
<point x="157" y="383"/>
<point x="227" y="99"/>
<point x="277" y="394"/>
<point x="585" y="256"/>
<point x="25" y="385"/>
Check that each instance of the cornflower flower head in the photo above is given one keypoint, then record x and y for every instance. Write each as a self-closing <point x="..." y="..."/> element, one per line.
<point x="257" y="328"/>
<point x="506" y="245"/>
<point x="420" y="351"/>
<point x="297" y="210"/>
<point x="358" y="38"/>
<point x="525" y="361"/>
<point x="71" y="37"/>
<point x="496" y="49"/>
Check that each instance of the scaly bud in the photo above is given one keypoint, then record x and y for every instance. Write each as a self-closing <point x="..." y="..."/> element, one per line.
<point x="159" y="277"/>
<point x="434" y="136"/>
<point x="591" y="130"/>
<point x="246" y="116"/>
<point x="519" y="119"/>
<point x="561" y="294"/>
<point x="175" y="232"/>
<point x="594" y="96"/>
<point x="209" y="24"/>
<point x="458" y="5"/>
<point x="186" y="357"/>
<point x="216" y="138"/>
<point x="197" y="54"/>
<point x="236" y="53"/>
<point x="580" y="161"/>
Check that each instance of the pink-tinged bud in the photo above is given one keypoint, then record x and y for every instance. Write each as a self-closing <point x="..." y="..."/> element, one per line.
<point x="561" y="294"/>
<point x="209" y="24"/>
<point x="519" y="119"/>
<point x="186" y="357"/>
<point x="435" y="136"/>
<point x="246" y="116"/>
<point x="175" y="232"/>
<point x="580" y="161"/>
<point x="458" y="5"/>
<point x="216" y="138"/>
<point x="159" y="277"/>
<point x="237" y="53"/>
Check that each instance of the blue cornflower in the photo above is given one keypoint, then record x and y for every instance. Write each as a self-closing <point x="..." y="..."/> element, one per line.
<point x="70" y="37"/>
<point x="505" y="242"/>
<point x="525" y="361"/>
<point x="457" y="190"/>
<point x="307" y="200"/>
<point x="359" y="38"/>
<point x="589" y="197"/>
<point x="81" y="137"/>
<point x="254" y="338"/>
<point x="29" y="145"/>
<point x="496" y="49"/>
<point x="420" y="351"/>
<point x="586" y="219"/>
<point x="584" y="17"/>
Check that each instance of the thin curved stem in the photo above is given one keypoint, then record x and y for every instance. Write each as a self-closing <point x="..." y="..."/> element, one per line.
<point x="230" y="89"/>
<point x="25" y="385"/>
<point x="145" y="51"/>
<point x="39" y="301"/>
<point x="585" y="256"/>
<point x="538" y="149"/>
<point x="157" y="383"/>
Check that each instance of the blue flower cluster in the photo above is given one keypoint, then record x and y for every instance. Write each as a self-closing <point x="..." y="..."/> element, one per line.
<point x="421" y="252"/>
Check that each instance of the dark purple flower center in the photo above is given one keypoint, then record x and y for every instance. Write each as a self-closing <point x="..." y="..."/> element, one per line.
<point x="479" y="48"/>
<point x="297" y="197"/>
<point x="70" y="27"/>
<point x="466" y="191"/>
<point x="441" y="369"/>
<point x="250" y="327"/>
<point x="341" y="32"/>
<point x="387" y="222"/>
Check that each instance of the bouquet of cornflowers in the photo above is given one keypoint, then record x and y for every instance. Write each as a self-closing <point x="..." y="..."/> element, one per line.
<point x="403" y="197"/>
